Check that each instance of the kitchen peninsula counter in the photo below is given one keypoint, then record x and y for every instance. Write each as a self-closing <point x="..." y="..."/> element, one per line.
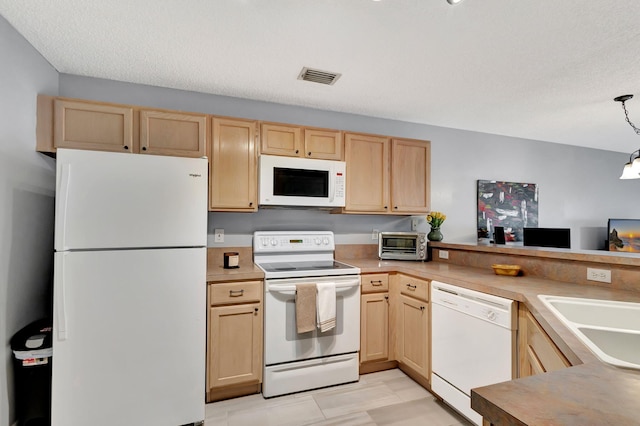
<point x="589" y="392"/>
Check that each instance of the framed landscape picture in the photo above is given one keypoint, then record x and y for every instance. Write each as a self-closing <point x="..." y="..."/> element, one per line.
<point x="624" y="235"/>
<point x="511" y="205"/>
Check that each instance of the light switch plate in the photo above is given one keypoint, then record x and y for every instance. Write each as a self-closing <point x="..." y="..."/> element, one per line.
<point x="218" y="236"/>
<point x="374" y="234"/>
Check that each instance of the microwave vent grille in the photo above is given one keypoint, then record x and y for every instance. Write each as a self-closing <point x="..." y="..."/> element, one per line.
<point x="318" y="76"/>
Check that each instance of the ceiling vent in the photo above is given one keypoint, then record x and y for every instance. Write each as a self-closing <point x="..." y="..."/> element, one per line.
<point x="318" y="76"/>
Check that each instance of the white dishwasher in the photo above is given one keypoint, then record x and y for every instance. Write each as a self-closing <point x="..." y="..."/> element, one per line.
<point x="472" y="343"/>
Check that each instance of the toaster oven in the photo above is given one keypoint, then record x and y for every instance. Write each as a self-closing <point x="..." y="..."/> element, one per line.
<point x="402" y="246"/>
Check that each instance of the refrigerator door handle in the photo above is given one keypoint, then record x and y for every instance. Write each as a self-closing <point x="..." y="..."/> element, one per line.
<point x="59" y="284"/>
<point x="61" y="205"/>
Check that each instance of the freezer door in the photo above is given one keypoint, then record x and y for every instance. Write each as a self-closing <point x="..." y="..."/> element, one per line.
<point x="114" y="200"/>
<point x="129" y="337"/>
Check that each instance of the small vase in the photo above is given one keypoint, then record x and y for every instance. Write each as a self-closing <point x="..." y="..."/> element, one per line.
<point x="435" y="234"/>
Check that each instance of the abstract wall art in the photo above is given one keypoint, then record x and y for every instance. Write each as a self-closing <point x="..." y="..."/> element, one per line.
<point x="511" y="205"/>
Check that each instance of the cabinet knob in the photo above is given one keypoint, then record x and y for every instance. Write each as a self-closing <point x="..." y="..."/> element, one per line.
<point x="386" y="298"/>
<point x="250" y="204"/>
<point x="395" y="207"/>
<point x="297" y="151"/>
<point x="126" y="147"/>
<point x="309" y="153"/>
<point x="144" y="148"/>
<point x="422" y="308"/>
<point x="385" y="207"/>
<point x="255" y="310"/>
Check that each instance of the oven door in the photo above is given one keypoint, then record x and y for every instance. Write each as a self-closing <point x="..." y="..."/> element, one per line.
<point x="282" y="343"/>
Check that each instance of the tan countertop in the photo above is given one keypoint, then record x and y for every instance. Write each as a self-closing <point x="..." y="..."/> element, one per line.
<point x="590" y="392"/>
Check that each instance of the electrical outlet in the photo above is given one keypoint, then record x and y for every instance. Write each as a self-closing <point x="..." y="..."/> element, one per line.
<point x="374" y="234"/>
<point x="601" y="275"/>
<point x="443" y="254"/>
<point x="218" y="236"/>
<point x="414" y="224"/>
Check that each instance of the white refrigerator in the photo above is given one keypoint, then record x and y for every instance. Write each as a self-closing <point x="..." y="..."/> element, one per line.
<point x="129" y="289"/>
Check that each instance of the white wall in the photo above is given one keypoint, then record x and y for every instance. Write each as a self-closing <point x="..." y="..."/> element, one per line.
<point x="579" y="188"/>
<point x="27" y="183"/>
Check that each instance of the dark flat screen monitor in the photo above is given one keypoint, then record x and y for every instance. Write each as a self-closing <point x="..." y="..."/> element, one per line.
<point x="624" y="235"/>
<point x="547" y="237"/>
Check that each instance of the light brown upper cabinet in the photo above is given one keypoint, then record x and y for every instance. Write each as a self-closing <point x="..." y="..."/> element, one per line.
<point x="233" y="181"/>
<point x="386" y="175"/>
<point x="93" y="126"/>
<point x="296" y="141"/>
<point x="173" y="133"/>
<point x="99" y="126"/>
<point x="367" y="158"/>
<point x="410" y="176"/>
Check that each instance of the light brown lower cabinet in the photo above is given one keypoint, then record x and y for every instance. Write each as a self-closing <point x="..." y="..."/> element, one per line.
<point x="538" y="353"/>
<point x="375" y="324"/>
<point x="234" y="344"/>
<point x="413" y="334"/>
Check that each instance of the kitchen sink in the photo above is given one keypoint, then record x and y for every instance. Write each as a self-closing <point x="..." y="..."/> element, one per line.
<point x="610" y="329"/>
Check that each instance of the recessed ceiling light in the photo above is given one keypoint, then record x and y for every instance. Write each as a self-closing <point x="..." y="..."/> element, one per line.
<point x="453" y="1"/>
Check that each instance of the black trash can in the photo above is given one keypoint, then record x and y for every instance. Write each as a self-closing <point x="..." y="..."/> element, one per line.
<point x="32" y="357"/>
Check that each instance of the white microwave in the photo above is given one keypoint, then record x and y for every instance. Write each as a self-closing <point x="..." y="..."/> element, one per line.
<point x="301" y="182"/>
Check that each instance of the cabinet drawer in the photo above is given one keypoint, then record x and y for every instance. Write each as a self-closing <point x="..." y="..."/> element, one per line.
<point x="373" y="283"/>
<point x="414" y="287"/>
<point x="233" y="293"/>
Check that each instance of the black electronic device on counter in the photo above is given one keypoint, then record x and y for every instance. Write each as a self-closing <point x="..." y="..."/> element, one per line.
<point x="547" y="237"/>
<point x="499" y="235"/>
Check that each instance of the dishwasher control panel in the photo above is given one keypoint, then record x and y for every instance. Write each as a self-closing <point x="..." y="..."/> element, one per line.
<point x="487" y="307"/>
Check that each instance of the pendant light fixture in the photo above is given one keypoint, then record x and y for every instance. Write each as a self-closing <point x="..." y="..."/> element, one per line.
<point x="631" y="170"/>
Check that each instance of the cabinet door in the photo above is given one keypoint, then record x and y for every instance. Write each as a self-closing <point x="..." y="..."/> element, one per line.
<point x="173" y="133"/>
<point x="367" y="159"/>
<point x="93" y="126"/>
<point x="323" y="144"/>
<point x="413" y="330"/>
<point x="374" y="327"/>
<point x="280" y="139"/>
<point x="538" y="353"/>
<point x="233" y="175"/>
<point x="410" y="175"/>
<point x="235" y="334"/>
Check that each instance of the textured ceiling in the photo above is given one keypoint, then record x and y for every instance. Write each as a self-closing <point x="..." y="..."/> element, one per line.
<point x="538" y="69"/>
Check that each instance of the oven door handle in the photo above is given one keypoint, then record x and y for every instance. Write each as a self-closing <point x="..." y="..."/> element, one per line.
<point x="289" y="287"/>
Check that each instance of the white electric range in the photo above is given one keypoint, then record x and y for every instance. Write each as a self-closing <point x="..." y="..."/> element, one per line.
<point x="296" y="362"/>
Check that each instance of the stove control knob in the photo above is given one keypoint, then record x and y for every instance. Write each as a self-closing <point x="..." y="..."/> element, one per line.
<point x="325" y="241"/>
<point x="491" y="316"/>
<point x="274" y="242"/>
<point x="317" y="241"/>
<point x="264" y="242"/>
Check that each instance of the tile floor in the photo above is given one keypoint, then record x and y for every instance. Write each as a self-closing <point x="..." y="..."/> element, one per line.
<point x="385" y="398"/>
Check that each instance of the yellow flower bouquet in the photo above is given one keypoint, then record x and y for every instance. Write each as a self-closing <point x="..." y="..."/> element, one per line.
<point x="435" y="219"/>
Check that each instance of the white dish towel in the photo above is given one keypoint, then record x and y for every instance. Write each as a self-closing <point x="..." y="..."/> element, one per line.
<point x="326" y="306"/>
